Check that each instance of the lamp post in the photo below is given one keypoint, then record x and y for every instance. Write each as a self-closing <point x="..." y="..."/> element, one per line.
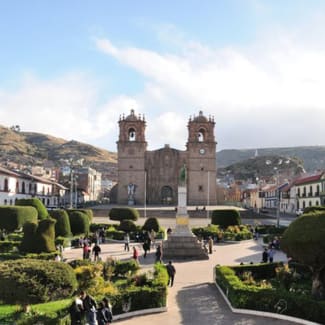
<point x="208" y="193"/>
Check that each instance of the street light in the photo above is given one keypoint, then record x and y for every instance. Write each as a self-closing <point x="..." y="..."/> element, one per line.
<point x="277" y="192"/>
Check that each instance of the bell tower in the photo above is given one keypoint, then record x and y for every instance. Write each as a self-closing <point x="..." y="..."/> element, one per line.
<point x="131" y="148"/>
<point x="201" y="160"/>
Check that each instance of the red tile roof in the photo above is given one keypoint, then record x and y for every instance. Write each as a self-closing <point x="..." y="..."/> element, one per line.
<point x="309" y="179"/>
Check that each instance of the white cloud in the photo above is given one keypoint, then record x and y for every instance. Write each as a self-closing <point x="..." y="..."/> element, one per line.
<point x="65" y="107"/>
<point x="262" y="87"/>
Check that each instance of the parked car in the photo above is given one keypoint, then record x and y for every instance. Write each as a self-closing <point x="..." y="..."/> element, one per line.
<point x="299" y="212"/>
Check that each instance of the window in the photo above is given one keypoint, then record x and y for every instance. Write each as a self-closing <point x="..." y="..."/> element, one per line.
<point x="310" y="203"/>
<point x="23" y="188"/>
<point x="201" y="135"/>
<point x="17" y="187"/>
<point x="48" y="202"/>
<point x="30" y="188"/>
<point x="6" y="189"/>
<point x="200" y="188"/>
<point x="132" y="134"/>
<point x="10" y="202"/>
<point x="5" y="202"/>
<point x="298" y="191"/>
<point x="43" y="190"/>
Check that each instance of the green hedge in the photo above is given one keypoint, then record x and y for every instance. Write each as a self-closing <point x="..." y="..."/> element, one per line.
<point x="112" y="233"/>
<point x="37" y="204"/>
<point x="88" y="212"/>
<point x="14" y="217"/>
<point x="8" y="246"/>
<point x="62" y="226"/>
<point x="127" y="226"/>
<point x="225" y="218"/>
<point x="39" y="238"/>
<point x="151" y="223"/>
<point x="124" y="214"/>
<point x="35" y="281"/>
<point x="206" y="232"/>
<point x="79" y="222"/>
<point x="266" y="299"/>
<point x="271" y="230"/>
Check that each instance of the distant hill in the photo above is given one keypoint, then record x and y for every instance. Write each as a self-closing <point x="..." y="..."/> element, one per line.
<point x="29" y="148"/>
<point x="263" y="166"/>
<point x="312" y="157"/>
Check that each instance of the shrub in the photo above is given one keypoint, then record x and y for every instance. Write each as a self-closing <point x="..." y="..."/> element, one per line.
<point x="45" y="236"/>
<point x="112" y="233"/>
<point x="88" y="212"/>
<point x="28" y="243"/>
<point x="127" y="226"/>
<point x="79" y="222"/>
<point x="225" y="218"/>
<point x="206" y="232"/>
<point x="151" y="223"/>
<point x="39" y="238"/>
<point x="37" y="204"/>
<point x="14" y="217"/>
<point x="124" y="268"/>
<point x="62" y="226"/>
<point x="35" y="281"/>
<point x="124" y="214"/>
<point x="8" y="246"/>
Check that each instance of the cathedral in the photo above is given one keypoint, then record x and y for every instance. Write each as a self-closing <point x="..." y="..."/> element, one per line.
<point x="152" y="177"/>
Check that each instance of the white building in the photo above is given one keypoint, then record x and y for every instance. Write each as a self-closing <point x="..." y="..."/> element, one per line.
<point x="15" y="185"/>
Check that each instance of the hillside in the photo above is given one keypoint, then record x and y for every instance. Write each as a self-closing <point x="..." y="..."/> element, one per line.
<point x="312" y="157"/>
<point x="264" y="166"/>
<point x="29" y="148"/>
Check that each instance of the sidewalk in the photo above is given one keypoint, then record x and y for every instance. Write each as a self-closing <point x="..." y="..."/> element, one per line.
<point x="194" y="298"/>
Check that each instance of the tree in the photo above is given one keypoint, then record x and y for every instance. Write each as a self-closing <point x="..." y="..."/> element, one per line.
<point x="304" y="242"/>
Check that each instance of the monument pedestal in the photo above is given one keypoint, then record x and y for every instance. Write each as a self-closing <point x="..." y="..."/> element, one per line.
<point x="182" y="243"/>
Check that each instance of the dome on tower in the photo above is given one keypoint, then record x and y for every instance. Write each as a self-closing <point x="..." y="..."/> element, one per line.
<point x="201" y="118"/>
<point x="131" y="117"/>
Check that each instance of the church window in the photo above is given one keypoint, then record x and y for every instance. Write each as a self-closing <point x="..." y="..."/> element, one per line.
<point x="200" y="188"/>
<point x="131" y="166"/>
<point x="132" y="134"/>
<point x="201" y="135"/>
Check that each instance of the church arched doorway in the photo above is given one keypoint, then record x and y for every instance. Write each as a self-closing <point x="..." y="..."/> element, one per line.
<point x="167" y="195"/>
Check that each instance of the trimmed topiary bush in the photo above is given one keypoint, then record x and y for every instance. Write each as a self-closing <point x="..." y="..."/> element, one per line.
<point x="88" y="212"/>
<point x="120" y="214"/>
<point x="35" y="281"/>
<point x="62" y="226"/>
<point x="225" y="218"/>
<point x="127" y="226"/>
<point x="79" y="222"/>
<point x="37" y="204"/>
<point x="14" y="217"/>
<point x="151" y="223"/>
<point x="28" y="243"/>
<point x="45" y="236"/>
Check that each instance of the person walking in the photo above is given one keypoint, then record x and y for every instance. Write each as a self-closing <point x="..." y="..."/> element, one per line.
<point x="127" y="242"/>
<point x="265" y="256"/>
<point x="158" y="254"/>
<point x="171" y="273"/>
<point x="89" y="307"/>
<point x="146" y="247"/>
<point x="104" y="314"/>
<point x="210" y="244"/>
<point x="271" y="253"/>
<point x="96" y="251"/>
<point x="135" y="254"/>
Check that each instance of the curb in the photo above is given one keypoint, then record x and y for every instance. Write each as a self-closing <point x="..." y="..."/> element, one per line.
<point x="263" y="313"/>
<point x="140" y="313"/>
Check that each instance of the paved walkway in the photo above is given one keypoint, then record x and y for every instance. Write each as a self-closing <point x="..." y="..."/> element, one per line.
<point x="194" y="299"/>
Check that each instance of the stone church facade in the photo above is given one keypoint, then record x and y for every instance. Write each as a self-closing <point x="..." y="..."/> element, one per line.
<point x="153" y="176"/>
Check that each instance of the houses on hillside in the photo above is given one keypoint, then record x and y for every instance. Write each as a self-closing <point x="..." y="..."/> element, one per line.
<point x="288" y="196"/>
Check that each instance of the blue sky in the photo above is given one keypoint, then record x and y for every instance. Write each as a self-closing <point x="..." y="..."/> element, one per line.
<point x="70" y="68"/>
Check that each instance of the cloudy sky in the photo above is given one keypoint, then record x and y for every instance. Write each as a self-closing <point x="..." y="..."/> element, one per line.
<point x="70" y="68"/>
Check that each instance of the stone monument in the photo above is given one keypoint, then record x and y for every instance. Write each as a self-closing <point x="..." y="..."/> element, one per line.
<point x="182" y="243"/>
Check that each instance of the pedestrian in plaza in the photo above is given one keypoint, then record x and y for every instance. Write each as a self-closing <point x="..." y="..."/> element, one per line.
<point x="265" y="256"/>
<point x="135" y="254"/>
<point x="86" y="251"/>
<point x="96" y="251"/>
<point x="76" y="312"/>
<point x="171" y="273"/>
<point x="158" y="254"/>
<point x="104" y="314"/>
<point x="127" y="242"/>
<point x="210" y="244"/>
<point x="271" y="253"/>
<point x="89" y="307"/>
<point x="146" y="247"/>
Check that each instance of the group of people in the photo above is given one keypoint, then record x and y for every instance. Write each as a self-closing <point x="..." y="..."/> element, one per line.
<point x="85" y="307"/>
<point x="86" y="251"/>
<point x="268" y="255"/>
